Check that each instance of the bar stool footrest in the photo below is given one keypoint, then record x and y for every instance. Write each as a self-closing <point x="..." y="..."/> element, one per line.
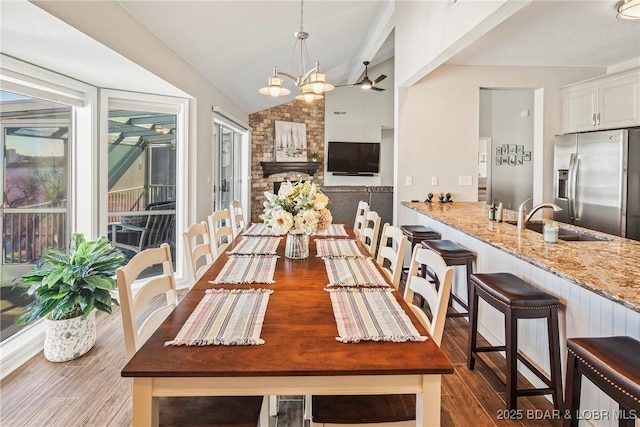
<point x="490" y="349"/>
<point x="534" y="391"/>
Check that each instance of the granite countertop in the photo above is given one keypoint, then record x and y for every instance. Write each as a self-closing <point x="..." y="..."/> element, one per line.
<point x="609" y="268"/>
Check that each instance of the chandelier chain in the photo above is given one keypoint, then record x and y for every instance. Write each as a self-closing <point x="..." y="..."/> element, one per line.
<point x="301" y="15"/>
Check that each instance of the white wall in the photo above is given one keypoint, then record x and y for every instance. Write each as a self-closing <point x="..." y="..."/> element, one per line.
<point x="111" y="25"/>
<point x="438" y="126"/>
<point x="368" y="112"/>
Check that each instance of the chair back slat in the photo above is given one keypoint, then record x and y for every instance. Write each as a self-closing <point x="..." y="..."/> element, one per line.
<point x="437" y="299"/>
<point x="220" y="231"/>
<point x="370" y="232"/>
<point x="156" y="298"/>
<point x="197" y="249"/>
<point x="390" y="257"/>
<point x="361" y="214"/>
<point x="237" y="217"/>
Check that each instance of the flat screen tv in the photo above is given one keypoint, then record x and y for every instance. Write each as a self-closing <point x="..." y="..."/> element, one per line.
<point x="353" y="158"/>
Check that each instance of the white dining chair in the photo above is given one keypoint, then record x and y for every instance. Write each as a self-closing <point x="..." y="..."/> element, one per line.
<point x="237" y="217"/>
<point x="397" y="410"/>
<point x="132" y="307"/>
<point x="220" y="230"/>
<point x="361" y="213"/>
<point x="370" y="232"/>
<point x="390" y="257"/>
<point x="143" y="313"/>
<point x="197" y="249"/>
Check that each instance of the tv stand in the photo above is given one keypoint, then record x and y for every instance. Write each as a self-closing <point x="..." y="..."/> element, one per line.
<point x="351" y="174"/>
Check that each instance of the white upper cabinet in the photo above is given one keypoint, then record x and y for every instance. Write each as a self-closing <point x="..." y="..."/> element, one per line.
<point x="604" y="103"/>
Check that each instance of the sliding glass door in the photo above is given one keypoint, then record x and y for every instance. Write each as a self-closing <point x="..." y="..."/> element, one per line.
<point x="228" y="142"/>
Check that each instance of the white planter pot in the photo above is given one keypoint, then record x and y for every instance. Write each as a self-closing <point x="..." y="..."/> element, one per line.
<point x="68" y="339"/>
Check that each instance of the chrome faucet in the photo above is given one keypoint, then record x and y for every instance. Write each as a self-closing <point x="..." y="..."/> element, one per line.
<point x="524" y="219"/>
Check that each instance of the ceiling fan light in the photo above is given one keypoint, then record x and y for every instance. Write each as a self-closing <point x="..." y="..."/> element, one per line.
<point x="366" y="84"/>
<point x="629" y="10"/>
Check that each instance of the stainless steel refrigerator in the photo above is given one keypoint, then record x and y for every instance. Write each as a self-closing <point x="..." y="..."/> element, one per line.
<point x="597" y="181"/>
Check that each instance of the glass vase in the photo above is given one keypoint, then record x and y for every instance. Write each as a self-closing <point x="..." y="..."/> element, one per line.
<point x="297" y="246"/>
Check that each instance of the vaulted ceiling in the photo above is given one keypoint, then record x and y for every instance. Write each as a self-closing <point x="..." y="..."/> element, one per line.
<point x="235" y="44"/>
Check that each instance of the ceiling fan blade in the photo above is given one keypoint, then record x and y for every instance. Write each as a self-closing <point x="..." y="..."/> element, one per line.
<point x="380" y="78"/>
<point x="379" y="89"/>
<point x="350" y="84"/>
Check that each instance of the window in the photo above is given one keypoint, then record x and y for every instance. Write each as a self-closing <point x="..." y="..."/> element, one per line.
<point x="35" y="171"/>
<point x="144" y="196"/>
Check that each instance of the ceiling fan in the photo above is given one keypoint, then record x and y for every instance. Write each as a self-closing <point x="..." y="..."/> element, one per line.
<point x="366" y="82"/>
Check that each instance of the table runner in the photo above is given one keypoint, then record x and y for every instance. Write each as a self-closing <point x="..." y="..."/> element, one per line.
<point x="241" y="269"/>
<point x="256" y="246"/>
<point x="354" y="272"/>
<point x="371" y="315"/>
<point x="333" y="230"/>
<point x="258" y="229"/>
<point x="338" y="248"/>
<point x="225" y="317"/>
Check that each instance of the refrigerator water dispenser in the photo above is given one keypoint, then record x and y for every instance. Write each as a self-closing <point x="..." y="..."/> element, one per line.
<point x="562" y="186"/>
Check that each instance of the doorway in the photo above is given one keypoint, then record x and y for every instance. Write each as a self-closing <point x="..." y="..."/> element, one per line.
<point x="507" y="124"/>
<point x="229" y="155"/>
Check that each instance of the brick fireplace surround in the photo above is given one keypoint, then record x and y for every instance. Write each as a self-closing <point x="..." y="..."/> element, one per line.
<point x="262" y="146"/>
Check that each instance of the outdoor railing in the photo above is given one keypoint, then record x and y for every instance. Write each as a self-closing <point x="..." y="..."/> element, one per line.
<point x="29" y="231"/>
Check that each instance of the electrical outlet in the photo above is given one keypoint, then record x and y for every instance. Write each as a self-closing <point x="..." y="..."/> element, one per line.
<point x="408" y="180"/>
<point x="465" y="180"/>
<point x="434" y="180"/>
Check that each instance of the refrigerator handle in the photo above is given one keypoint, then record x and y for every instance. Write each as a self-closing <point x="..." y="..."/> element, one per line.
<point x="570" y="188"/>
<point x="573" y="180"/>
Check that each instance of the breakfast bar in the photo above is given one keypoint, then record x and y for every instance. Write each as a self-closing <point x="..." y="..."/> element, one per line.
<point x="596" y="280"/>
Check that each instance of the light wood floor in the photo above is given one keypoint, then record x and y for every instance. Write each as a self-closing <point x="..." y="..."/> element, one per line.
<point x="90" y="392"/>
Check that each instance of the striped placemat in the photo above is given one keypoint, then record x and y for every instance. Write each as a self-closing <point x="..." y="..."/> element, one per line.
<point x="336" y="230"/>
<point x="256" y="246"/>
<point x="371" y="315"/>
<point x="241" y="269"/>
<point x="259" y="229"/>
<point x="226" y="317"/>
<point x="354" y="272"/>
<point x="338" y="248"/>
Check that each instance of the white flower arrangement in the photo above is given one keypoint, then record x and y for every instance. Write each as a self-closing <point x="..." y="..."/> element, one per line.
<point x="297" y="208"/>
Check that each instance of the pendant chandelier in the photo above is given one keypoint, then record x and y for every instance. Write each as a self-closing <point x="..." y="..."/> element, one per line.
<point x="310" y="81"/>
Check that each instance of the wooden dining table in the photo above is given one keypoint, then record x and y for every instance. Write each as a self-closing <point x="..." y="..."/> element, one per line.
<point x="300" y="354"/>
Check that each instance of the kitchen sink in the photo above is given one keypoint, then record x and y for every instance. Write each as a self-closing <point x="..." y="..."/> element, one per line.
<point x="563" y="233"/>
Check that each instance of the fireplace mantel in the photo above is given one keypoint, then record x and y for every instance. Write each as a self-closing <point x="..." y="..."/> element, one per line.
<point x="272" y="168"/>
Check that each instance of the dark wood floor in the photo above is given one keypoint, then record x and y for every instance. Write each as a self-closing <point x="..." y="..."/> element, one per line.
<point x="90" y="392"/>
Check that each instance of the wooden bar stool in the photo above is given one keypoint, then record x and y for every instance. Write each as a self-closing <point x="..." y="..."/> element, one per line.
<point x="454" y="255"/>
<point x="612" y="364"/>
<point x="516" y="299"/>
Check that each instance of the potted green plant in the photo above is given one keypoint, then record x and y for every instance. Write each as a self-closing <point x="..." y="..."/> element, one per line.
<point x="314" y="156"/>
<point x="429" y="197"/>
<point x="448" y="196"/>
<point x="67" y="290"/>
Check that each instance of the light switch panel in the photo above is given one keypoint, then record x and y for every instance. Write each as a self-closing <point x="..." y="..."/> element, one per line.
<point x="465" y="180"/>
<point x="409" y="180"/>
<point x="434" y="180"/>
